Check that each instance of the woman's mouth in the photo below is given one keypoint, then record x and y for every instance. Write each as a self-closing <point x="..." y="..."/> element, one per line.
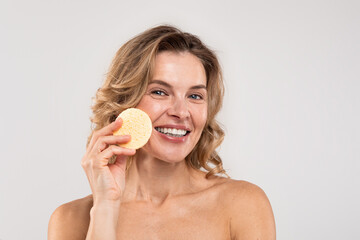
<point x="172" y="132"/>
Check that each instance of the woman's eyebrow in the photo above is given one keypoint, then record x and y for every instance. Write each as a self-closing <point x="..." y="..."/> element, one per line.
<point x="165" y="84"/>
<point x="161" y="83"/>
<point x="200" y="86"/>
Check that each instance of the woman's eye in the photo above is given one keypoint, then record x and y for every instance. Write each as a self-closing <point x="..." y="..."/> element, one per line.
<point x="158" y="92"/>
<point x="195" y="96"/>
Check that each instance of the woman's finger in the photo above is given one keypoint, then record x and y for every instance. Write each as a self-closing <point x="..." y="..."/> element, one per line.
<point x="105" y="155"/>
<point x="104" y="141"/>
<point x="105" y="131"/>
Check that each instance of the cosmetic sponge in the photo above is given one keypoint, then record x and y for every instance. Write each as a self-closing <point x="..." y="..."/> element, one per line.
<point x="137" y="124"/>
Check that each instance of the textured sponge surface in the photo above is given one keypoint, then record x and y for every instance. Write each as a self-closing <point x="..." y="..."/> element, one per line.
<point x="137" y="124"/>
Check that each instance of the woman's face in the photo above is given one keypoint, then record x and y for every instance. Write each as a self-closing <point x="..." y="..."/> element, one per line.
<point x="176" y="102"/>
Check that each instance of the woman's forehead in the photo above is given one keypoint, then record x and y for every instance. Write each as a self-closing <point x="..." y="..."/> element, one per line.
<point x="175" y="68"/>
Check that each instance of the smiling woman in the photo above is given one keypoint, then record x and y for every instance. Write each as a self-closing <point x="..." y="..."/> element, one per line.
<point x="134" y="66"/>
<point x="170" y="188"/>
<point x="176" y="104"/>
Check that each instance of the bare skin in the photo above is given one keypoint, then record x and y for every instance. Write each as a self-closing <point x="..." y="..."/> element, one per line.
<point x="160" y="197"/>
<point x="227" y="209"/>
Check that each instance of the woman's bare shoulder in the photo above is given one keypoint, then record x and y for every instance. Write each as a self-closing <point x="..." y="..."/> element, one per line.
<point x="249" y="210"/>
<point x="71" y="220"/>
<point x="240" y="188"/>
<point x="230" y="188"/>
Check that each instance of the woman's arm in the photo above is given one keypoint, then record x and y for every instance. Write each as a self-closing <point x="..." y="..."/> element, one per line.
<point x="103" y="221"/>
<point x="80" y="219"/>
<point x="251" y="215"/>
<point x="70" y="220"/>
<point x="107" y="184"/>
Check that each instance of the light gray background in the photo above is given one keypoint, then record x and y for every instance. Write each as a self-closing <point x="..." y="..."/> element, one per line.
<point x="291" y="110"/>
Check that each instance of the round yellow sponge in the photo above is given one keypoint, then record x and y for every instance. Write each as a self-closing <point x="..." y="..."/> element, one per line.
<point x="137" y="124"/>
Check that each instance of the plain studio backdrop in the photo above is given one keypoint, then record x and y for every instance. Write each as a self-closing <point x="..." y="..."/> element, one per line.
<point x="291" y="110"/>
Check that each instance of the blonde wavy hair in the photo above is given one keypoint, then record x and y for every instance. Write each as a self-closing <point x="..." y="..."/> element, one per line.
<point x="130" y="73"/>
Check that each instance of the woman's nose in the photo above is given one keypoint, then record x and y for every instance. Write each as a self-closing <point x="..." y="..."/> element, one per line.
<point x="179" y="108"/>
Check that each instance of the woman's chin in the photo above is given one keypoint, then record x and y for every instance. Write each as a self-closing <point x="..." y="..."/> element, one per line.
<point x="166" y="156"/>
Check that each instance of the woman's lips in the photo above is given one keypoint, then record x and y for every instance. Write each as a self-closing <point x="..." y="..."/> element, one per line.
<point x="174" y="126"/>
<point x="173" y="139"/>
<point x="170" y="130"/>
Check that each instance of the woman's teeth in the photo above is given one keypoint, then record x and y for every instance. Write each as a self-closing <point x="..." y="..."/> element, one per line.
<point x="173" y="132"/>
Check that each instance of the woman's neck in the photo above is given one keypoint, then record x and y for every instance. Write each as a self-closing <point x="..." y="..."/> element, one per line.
<point x="153" y="180"/>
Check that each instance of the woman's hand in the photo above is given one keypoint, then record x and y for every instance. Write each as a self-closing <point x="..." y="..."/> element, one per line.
<point x="107" y="181"/>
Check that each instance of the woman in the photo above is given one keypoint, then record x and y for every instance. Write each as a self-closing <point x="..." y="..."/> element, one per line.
<point x="169" y="188"/>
